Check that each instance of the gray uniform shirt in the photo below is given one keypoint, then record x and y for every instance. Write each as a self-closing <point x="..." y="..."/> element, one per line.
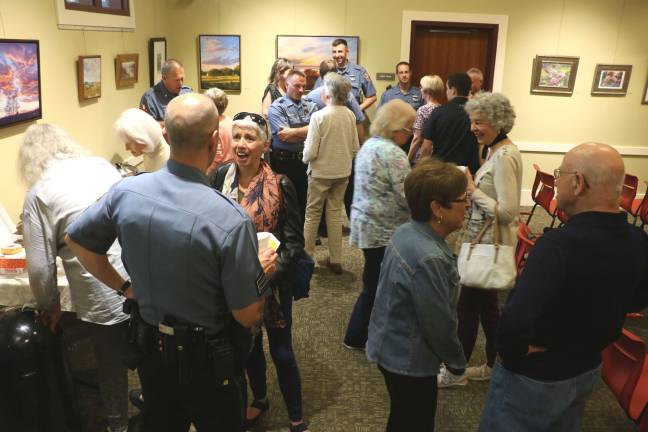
<point x="191" y="252"/>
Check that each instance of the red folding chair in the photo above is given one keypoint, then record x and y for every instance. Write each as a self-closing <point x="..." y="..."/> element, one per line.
<point x="628" y="192"/>
<point x="526" y="241"/>
<point x="639" y="205"/>
<point x="625" y="371"/>
<point x="542" y="194"/>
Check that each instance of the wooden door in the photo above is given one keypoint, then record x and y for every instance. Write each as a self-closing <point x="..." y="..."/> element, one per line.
<point x="443" y="48"/>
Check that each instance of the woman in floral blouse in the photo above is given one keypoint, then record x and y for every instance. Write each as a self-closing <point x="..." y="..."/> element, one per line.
<point x="379" y="204"/>
<point x="433" y="89"/>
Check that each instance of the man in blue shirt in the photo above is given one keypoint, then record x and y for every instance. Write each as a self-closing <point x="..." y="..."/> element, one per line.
<point x="192" y="257"/>
<point x="155" y="100"/>
<point x="405" y="91"/>
<point x="289" y="117"/>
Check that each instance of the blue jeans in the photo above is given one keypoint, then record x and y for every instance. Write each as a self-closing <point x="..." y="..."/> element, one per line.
<point x="358" y="327"/>
<point x="283" y="357"/>
<point x="517" y="403"/>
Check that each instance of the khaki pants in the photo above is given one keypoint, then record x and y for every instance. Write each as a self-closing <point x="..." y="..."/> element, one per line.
<point x="331" y="192"/>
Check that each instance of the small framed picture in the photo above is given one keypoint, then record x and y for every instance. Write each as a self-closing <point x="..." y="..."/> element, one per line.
<point x="89" y="77"/>
<point x="20" y="82"/>
<point x="644" y="99"/>
<point x="611" y="80"/>
<point x="554" y="75"/>
<point x="220" y="62"/>
<point x="157" y="57"/>
<point x="126" y="69"/>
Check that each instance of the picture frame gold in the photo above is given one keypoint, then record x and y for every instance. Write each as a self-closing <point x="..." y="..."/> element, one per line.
<point x="126" y="69"/>
<point x="554" y="75"/>
<point x="611" y="80"/>
<point x="89" y="77"/>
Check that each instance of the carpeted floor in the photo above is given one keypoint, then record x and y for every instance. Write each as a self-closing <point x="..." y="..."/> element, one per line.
<point x="343" y="392"/>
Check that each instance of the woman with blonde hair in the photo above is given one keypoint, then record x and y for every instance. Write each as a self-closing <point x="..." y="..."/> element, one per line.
<point x="379" y="204"/>
<point x="224" y="152"/>
<point x="276" y="87"/>
<point x="142" y="136"/>
<point x="433" y="89"/>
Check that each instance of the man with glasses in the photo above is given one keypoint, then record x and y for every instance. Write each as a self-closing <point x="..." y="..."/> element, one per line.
<point x="289" y="117"/>
<point x="570" y="302"/>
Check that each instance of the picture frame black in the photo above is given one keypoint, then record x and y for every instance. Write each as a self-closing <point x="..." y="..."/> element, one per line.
<point x="157" y="51"/>
<point x="21" y="103"/>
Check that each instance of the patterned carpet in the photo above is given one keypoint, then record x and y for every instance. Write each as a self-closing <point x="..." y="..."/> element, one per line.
<point x="343" y="392"/>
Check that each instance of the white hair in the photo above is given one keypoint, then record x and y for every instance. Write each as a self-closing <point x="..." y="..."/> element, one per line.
<point x="337" y="87"/>
<point x="136" y="125"/>
<point x="42" y="144"/>
<point x="248" y="123"/>
<point x="495" y="107"/>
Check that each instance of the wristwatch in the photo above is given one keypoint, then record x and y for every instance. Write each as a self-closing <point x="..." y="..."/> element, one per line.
<point x="122" y="291"/>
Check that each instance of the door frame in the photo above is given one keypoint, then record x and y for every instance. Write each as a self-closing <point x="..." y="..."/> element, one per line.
<point x="500" y="20"/>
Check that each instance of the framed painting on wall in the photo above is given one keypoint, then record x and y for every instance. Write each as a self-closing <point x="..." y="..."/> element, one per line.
<point x="126" y="66"/>
<point x="611" y="80"/>
<point x="157" y="57"/>
<point x="644" y="99"/>
<point x="89" y="77"/>
<point x="307" y="52"/>
<point x="554" y="75"/>
<point x="220" y="62"/>
<point x="20" y="86"/>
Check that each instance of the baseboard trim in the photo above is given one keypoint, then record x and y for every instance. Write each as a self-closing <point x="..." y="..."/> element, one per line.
<point x="526" y="201"/>
<point x="540" y="147"/>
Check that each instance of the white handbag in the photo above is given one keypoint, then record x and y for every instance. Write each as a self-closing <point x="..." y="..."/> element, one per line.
<point x="487" y="266"/>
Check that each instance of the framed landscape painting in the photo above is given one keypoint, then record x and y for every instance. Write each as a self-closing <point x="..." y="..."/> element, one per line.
<point x="89" y="77"/>
<point x="611" y="80"/>
<point x="554" y="75"/>
<point x="126" y="66"/>
<point x="20" y="89"/>
<point x="220" y="62"/>
<point x="157" y="57"/>
<point x="307" y="52"/>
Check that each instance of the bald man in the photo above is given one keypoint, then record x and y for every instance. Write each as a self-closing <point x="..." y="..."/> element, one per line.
<point x="192" y="257"/>
<point x="570" y="302"/>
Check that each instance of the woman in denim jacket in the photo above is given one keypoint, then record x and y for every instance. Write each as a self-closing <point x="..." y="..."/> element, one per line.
<point x="413" y="326"/>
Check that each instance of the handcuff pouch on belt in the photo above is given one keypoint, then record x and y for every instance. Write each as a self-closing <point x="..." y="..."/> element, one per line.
<point x="142" y="337"/>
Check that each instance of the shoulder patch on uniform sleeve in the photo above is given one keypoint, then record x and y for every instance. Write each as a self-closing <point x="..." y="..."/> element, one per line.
<point x="261" y="283"/>
<point x="366" y="76"/>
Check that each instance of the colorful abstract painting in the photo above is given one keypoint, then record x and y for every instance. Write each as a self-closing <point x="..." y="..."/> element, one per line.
<point x="20" y="93"/>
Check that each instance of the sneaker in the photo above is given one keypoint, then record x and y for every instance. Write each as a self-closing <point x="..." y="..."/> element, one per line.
<point x="479" y="373"/>
<point x="352" y="347"/>
<point x="447" y="379"/>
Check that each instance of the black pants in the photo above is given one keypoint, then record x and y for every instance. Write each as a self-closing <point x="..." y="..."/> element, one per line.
<point x="477" y="304"/>
<point x="413" y="402"/>
<point x="295" y="170"/>
<point x="358" y="328"/>
<point x="171" y="406"/>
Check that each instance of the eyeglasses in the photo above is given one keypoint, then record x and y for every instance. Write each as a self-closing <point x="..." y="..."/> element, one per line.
<point x="558" y="172"/>
<point x="256" y="118"/>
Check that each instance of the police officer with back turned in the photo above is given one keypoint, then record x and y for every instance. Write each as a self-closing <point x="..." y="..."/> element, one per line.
<point x="192" y="258"/>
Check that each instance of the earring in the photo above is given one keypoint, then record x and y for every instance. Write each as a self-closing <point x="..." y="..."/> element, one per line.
<point x="440" y="220"/>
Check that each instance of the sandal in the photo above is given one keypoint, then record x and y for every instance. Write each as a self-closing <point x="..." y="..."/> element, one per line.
<point x="260" y="405"/>
<point x="301" y="427"/>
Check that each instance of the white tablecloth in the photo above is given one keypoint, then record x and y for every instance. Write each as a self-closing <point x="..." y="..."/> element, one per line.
<point x="15" y="291"/>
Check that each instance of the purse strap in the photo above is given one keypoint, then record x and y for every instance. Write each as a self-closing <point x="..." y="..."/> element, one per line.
<point x="497" y="234"/>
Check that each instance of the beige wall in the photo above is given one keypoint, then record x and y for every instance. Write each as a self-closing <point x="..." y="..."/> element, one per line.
<point x="90" y="123"/>
<point x="613" y="31"/>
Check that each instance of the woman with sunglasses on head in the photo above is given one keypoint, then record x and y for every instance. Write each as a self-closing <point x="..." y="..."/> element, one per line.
<point x="496" y="188"/>
<point x="270" y="200"/>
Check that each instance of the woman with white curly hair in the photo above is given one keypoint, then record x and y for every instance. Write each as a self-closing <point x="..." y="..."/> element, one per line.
<point x="63" y="180"/>
<point x="142" y="136"/>
<point x="495" y="188"/>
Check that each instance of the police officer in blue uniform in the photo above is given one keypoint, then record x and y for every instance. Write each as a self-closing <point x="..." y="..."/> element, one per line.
<point x="361" y="85"/>
<point x="404" y="91"/>
<point x="192" y="257"/>
<point x="155" y="100"/>
<point x="289" y="117"/>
